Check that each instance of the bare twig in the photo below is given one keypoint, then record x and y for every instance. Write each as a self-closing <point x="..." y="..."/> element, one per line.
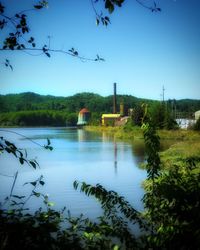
<point x="13" y="185"/>
<point x="10" y="131"/>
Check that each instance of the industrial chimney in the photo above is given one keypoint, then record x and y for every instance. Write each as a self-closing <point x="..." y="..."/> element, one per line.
<point x="115" y="100"/>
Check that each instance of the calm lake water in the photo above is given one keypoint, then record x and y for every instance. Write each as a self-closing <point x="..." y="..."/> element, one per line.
<point x="77" y="155"/>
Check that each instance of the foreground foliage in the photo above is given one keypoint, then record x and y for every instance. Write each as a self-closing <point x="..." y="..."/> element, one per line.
<point x="176" y="207"/>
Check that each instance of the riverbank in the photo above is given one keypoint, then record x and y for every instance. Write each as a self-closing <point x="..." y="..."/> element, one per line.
<point x="181" y="152"/>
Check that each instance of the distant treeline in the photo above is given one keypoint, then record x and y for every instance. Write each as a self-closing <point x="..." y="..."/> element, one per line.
<point x="38" y="118"/>
<point x="30" y="109"/>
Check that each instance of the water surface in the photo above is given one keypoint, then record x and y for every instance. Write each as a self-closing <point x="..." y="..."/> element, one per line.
<point x="77" y="155"/>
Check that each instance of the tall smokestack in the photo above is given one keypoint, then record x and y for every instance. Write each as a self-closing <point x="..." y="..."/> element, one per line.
<point x="115" y="99"/>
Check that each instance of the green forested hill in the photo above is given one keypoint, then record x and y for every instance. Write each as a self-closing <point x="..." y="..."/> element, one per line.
<point x="94" y="102"/>
<point x="31" y="101"/>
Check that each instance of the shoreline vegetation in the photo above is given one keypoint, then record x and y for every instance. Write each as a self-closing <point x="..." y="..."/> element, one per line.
<point x="136" y="133"/>
<point x="37" y="118"/>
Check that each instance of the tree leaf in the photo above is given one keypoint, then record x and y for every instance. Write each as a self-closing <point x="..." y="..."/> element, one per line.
<point x="33" y="164"/>
<point x="50" y="204"/>
<point x="97" y="21"/>
<point x="11" y="67"/>
<point x="1" y="8"/>
<point x="33" y="183"/>
<point x="107" y="18"/>
<point x="110" y="6"/>
<point x="47" y="54"/>
<point x="38" y="7"/>
<point x="36" y="194"/>
<point x="21" y="160"/>
<point x="48" y="141"/>
<point x="42" y="183"/>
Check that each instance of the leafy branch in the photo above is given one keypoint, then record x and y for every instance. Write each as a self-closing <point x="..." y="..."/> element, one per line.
<point x="34" y="193"/>
<point x="110" y="201"/>
<point x="46" y="146"/>
<point x="19" y="201"/>
<point x="13" y="45"/>
<point x="110" y="6"/>
<point x="20" y="154"/>
<point x="17" y="40"/>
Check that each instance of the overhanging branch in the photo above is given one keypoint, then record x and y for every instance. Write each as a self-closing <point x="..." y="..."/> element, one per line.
<point x="72" y="52"/>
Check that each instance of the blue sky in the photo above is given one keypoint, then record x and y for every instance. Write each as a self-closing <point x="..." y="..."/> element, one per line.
<point x="143" y="50"/>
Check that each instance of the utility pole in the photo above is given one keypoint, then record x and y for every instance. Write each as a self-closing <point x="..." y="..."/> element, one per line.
<point x="163" y="93"/>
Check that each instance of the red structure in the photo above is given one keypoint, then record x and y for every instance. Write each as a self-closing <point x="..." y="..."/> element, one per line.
<point x="83" y="117"/>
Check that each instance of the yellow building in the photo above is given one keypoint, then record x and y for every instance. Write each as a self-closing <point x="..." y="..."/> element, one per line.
<point x="107" y="118"/>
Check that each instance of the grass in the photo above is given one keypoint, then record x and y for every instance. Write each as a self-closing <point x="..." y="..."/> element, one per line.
<point x="179" y="134"/>
<point x="180" y="152"/>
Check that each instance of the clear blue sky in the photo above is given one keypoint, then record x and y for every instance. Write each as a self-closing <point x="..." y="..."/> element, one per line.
<point x="143" y="50"/>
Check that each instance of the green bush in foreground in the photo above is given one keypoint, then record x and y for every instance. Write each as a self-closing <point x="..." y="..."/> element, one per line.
<point x="176" y="207"/>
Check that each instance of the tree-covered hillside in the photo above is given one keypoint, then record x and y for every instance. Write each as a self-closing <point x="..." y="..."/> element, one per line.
<point x="31" y="101"/>
<point x="94" y="102"/>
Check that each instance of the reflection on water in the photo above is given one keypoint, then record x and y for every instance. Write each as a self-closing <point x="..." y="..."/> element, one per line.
<point x="77" y="155"/>
<point x="115" y="157"/>
<point x="138" y="150"/>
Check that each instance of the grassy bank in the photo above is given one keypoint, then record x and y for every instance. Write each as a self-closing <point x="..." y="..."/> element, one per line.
<point x="180" y="152"/>
<point x="136" y="133"/>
